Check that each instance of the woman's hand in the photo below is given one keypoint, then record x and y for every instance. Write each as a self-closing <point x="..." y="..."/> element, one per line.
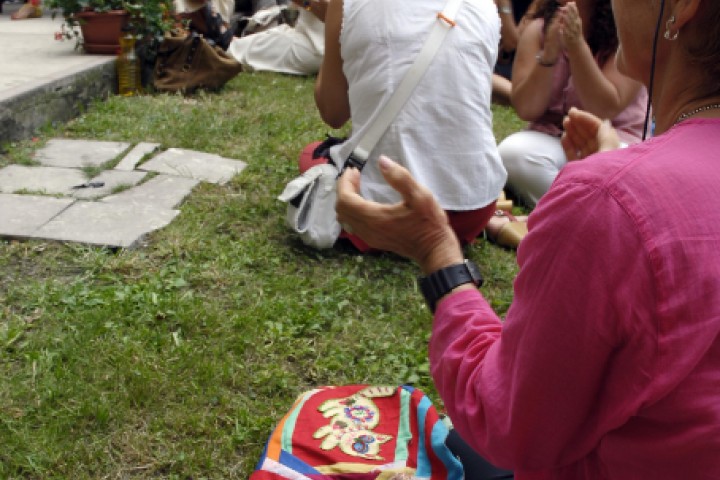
<point x="415" y="228"/>
<point x="553" y="45"/>
<point x="586" y="134"/>
<point x="571" y="32"/>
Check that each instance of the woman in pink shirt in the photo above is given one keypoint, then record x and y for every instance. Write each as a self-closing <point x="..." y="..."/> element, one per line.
<point x="607" y="365"/>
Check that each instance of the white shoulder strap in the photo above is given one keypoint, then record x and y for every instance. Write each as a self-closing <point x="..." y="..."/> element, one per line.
<point x="443" y="24"/>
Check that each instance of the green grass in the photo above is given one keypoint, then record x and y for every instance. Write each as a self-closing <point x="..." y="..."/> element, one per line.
<point x="174" y="360"/>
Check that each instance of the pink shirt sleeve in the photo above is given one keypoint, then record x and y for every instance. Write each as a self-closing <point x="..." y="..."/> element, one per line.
<point x="574" y="356"/>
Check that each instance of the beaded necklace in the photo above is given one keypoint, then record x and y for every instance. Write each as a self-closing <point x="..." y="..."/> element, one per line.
<point x="686" y="115"/>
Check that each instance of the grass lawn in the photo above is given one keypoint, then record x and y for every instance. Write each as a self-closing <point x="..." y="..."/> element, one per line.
<point x="174" y="360"/>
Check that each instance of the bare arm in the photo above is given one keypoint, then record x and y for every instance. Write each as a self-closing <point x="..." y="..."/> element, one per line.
<point x="532" y="82"/>
<point x="331" y="86"/>
<point x="602" y="91"/>
<point x="508" y="29"/>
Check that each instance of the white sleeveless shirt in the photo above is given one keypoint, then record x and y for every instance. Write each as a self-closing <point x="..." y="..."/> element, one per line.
<point x="443" y="134"/>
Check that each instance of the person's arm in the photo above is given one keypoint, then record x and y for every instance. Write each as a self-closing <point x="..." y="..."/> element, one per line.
<point x="532" y="81"/>
<point x="573" y="358"/>
<point x="602" y="91"/>
<point x="331" y="86"/>
<point x="508" y="28"/>
<point x="575" y="353"/>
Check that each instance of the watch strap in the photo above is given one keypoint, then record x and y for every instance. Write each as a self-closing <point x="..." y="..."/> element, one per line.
<point x="441" y="282"/>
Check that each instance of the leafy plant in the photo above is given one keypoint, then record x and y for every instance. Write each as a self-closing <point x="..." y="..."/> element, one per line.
<point x="150" y="19"/>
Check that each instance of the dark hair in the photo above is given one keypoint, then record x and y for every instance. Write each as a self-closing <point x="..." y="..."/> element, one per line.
<point x="602" y="36"/>
<point x="703" y="44"/>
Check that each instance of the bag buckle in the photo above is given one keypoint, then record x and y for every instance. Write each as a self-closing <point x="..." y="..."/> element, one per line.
<point x="353" y="161"/>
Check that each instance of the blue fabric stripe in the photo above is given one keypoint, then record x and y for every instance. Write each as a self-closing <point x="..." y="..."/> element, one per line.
<point x="424" y="469"/>
<point x="451" y="462"/>
<point x="291" y="461"/>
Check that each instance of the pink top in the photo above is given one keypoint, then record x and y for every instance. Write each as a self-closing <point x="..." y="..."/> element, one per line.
<point x="629" y="123"/>
<point x="608" y="364"/>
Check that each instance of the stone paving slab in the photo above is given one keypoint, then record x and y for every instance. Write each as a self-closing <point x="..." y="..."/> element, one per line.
<point x="199" y="165"/>
<point x="130" y="161"/>
<point x="62" y="152"/>
<point x="165" y="191"/>
<point x="21" y="215"/>
<point x="114" y="220"/>
<point x="111" y="179"/>
<point x="106" y="224"/>
<point x="49" y="180"/>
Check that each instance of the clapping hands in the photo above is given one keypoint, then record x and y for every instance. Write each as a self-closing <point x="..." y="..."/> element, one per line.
<point x="565" y="30"/>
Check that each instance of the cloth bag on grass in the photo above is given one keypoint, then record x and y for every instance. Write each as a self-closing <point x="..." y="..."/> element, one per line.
<point x="187" y="62"/>
<point x="359" y="432"/>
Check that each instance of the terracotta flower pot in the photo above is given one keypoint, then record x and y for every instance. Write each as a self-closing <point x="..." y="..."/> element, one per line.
<point x="101" y="31"/>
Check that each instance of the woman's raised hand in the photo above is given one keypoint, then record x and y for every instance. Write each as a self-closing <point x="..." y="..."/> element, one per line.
<point x="571" y="31"/>
<point x="416" y="228"/>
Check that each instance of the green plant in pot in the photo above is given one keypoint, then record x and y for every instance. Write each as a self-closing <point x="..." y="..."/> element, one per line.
<point x="150" y="20"/>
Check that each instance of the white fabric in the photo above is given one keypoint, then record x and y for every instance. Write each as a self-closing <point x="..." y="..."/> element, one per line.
<point x="533" y="160"/>
<point x="443" y="135"/>
<point x="224" y="7"/>
<point x="283" y="49"/>
<point x="379" y="125"/>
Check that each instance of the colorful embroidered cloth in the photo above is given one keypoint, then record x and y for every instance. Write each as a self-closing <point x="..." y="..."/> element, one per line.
<point x="359" y="432"/>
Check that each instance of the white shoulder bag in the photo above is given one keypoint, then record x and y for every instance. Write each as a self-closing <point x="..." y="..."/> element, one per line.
<point x="311" y="196"/>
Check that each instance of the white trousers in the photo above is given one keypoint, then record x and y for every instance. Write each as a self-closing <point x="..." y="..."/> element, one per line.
<point x="283" y="49"/>
<point x="532" y="160"/>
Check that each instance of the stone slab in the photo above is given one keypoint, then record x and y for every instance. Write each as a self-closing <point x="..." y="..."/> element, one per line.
<point x="68" y="153"/>
<point x="199" y="165"/>
<point x="165" y="191"/>
<point x="105" y="224"/>
<point x="21" y="215"/>
<point x="112" y="179"/>
<point x="139" y="151"/>
<point x="49" y="180"/>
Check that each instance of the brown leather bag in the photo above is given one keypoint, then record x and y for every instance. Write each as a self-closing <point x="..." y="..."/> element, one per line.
<point x="188" y="62"/>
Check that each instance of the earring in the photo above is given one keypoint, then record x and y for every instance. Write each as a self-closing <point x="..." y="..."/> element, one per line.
<point x="668" y="26"/>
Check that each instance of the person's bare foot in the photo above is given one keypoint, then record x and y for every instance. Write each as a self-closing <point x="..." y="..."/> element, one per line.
<point x="505" y="229"/>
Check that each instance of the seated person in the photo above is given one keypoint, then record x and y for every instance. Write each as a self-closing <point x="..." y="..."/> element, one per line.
<point x="565" y="58"/>
<point x="443" y="134"/>
<point x="294" y="50"/>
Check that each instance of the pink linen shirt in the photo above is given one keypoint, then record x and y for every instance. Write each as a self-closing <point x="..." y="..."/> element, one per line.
<point x="608" y="363"/>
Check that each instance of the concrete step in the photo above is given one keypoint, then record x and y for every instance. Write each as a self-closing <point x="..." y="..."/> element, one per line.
<point x="42" y="80"/>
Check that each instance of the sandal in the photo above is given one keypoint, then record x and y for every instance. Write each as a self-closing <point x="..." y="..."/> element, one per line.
<point x="503" y="203"/>
<point x="505" y="230"/>
<point x="27" y="11"/>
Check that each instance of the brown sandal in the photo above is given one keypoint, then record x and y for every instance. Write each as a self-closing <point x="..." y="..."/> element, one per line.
<point x="508" y="233"/>
<point x="27" y="11"/>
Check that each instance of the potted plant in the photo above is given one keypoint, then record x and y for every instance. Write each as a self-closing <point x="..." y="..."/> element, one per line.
<point x="99" y="23"/>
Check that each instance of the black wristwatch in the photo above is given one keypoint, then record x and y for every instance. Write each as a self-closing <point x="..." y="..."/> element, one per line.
<point x="440" y="282"/>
